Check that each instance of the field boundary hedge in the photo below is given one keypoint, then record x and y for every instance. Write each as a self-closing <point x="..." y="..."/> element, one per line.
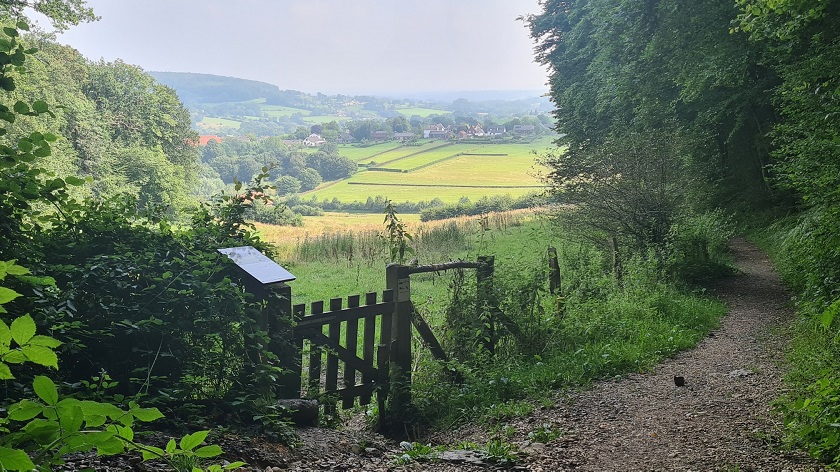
<point x="382" y="184"/>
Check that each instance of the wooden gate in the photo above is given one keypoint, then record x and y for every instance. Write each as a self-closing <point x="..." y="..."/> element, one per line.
<point x="332" y="363"/>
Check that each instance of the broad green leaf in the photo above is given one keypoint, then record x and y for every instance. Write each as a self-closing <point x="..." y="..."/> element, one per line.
<point x="14" y="357"/>
<point x="5" y="372"/>
<point x="125" y="432"/>
<point x="74" y="181"/>
<point x="92" y="408"/>
<point x="827" y="316"/>
<point x="152" y="452"/>
<point x="95" y="421"/>
<point x="41" y="355"/>
<point x="171" y="446"/>
<point x="7" y="295"/>
<point x="42" y="431"/>
<point x="40" y="106"/>
<point x="5" y="334"/>
<point x="23" y="328"/>
<point x="98" y="437"/>
<point x="25" y="410"/>
<point x="44" y="341"/>
<point x="15" y="459"/>
<point x="45" y="389"/>
<point x="212" y="450"/>
<point x="71" y="418"/>
<point x="11" y="32"/>
<point x="8" y="84"/>
<point x="191" y="441"/>
<point x="10" y="268"/>
<point x="76" y="443"/>
<point x="110" y="447"/>
<point x="21" y="107"/>
<point x="235" y="465"/>
<point x="146" y="414"/>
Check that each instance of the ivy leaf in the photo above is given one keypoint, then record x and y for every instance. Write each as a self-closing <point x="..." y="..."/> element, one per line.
<point x="15" y="459"/>
<point x="45" y="389"/>
<point x="23" y="328"/>
<point x="191" y="441"/>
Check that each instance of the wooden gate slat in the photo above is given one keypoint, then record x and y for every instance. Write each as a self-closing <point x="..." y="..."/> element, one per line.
<point x="346" y="356"/>
<point x="334" y="333"/>
<point x="314" y="389"/>
<point x="351" y="341"/>
<point x="368" y="341"/>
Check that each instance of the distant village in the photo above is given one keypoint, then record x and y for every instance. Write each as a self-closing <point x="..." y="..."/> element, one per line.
<point x="435" y="131"/>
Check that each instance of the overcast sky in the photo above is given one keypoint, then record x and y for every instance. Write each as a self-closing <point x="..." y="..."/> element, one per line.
<point x="330" y="46"/>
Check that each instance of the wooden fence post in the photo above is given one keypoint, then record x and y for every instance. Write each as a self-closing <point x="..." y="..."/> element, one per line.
<point x="486" y="301"/>
<point x="554" y="278"/>
<point x="397" y="279"/>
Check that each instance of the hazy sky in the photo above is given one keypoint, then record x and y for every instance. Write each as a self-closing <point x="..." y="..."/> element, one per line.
<point x="330" y="46"/>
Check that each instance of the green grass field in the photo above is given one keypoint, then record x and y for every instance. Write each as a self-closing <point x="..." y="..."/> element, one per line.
<point x="430" y="157"/>
<point x="400" y="153"/>
<point x="278" y="111"/>
<point x="210" y="122"/>
<point x="472" y="176"/>
<point x="321" y="119"/>
<point x="363" y="154"/>
<point x="422" y="112"/>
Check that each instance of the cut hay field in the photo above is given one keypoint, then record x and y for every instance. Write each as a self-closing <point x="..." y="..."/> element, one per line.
<point x="421" y="112"/>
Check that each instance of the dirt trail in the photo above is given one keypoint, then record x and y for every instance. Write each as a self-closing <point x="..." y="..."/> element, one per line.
<point x="720" y="419"/>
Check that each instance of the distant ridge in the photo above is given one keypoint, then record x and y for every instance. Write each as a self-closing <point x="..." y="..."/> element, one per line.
<point x="198" y="89"/>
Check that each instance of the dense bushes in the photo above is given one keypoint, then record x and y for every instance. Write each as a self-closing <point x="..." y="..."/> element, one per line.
<point x="484" y="205"/>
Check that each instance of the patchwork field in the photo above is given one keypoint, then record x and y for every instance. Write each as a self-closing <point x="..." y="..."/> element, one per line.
<point x="430" y="157"/>
<point x="494" y="170"/>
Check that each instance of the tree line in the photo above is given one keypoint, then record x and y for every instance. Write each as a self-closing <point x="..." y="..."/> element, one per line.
<point x="672" y="109"/>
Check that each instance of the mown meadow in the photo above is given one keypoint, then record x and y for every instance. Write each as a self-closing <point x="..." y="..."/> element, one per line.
<point x="435" y="169"/>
